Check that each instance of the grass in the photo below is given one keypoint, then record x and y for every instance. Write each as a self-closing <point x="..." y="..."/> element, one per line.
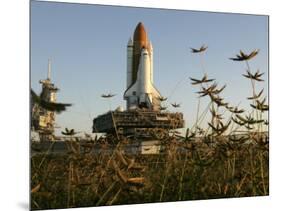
<point x="183" y="171"/>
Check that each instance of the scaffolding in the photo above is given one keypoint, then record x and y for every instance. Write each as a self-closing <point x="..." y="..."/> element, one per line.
<point x="42" y="120"/>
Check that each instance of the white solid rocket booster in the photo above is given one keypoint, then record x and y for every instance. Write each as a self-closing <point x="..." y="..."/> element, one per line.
<point x="129" y="62"/>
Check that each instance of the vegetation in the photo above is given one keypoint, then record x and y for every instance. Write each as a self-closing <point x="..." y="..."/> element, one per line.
<point x="211" y="162"/>
<point x="49" y="106"/>
<point x="183" y="171"/>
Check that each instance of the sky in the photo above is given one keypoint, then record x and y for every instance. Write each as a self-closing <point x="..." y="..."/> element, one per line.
<point x="87" y="46"/>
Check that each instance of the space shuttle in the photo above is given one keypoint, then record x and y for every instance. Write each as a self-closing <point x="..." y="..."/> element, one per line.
<point x="140" y="92"/>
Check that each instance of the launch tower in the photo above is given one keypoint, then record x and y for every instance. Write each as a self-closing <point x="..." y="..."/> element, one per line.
<point x="43" y="120"/>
